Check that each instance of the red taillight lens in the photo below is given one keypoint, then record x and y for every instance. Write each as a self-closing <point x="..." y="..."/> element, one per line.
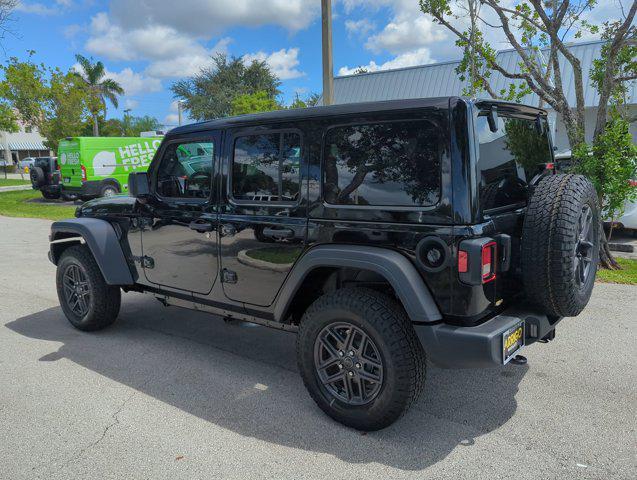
<point x="83" y="172"/>
<point x="550" y="166"/>
<point x="463" y="261"/>
<point x="489" y="257"/>
<point x="633" y="183"/>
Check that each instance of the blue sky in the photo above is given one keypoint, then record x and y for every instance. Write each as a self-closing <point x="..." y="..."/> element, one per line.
<point x="147" y="45"/>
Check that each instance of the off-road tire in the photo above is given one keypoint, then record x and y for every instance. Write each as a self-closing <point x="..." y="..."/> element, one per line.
<point x="549" y="242"/>
<point x="386" y="323"/>
<point x="50" y="195"/>
<point x="36" y="174"/>
<point x="105" y="300"/>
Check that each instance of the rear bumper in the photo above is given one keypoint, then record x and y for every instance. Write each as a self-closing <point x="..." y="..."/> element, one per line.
<point x="450" y="346"/>
<point x="89" y="188"/>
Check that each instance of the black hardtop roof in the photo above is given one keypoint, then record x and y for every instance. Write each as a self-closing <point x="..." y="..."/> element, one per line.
<point x="333" y="110"/>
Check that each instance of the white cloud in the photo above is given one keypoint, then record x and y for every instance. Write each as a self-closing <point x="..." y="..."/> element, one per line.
<point x="203" y="18"/>
<point x="37" y="8"/>
<point x="405" y="33"/>
<point x="171" y="53"/>
<point x="130" y="103"/>
<point x="420" y="56"/>
<point x="359" y="27"/>
<point x="132" y="82"/>
<point x="283" y="62"/>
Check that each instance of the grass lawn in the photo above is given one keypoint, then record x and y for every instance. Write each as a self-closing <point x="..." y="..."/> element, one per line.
<point x="626" y="276"/>
<point x="10" y="182"/>
<point x="23" y="204"/>
<point x="277" y="255"/>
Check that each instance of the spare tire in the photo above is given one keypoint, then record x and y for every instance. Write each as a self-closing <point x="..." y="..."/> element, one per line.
<point x="560" y="244"/>
<point x="37" y="176"/>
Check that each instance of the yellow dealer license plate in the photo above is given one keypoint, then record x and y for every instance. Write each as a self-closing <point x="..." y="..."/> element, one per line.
<point x="512" y="341"/>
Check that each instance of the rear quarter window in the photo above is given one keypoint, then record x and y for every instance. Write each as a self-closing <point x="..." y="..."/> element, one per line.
<point x="394" y="163"/>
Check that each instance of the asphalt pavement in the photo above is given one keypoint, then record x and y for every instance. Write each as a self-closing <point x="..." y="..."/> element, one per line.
<point x="168" y="393"/>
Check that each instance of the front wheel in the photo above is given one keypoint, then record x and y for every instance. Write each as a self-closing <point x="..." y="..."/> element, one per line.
<point x="87" y="300"/>
<point x="360" y="358"/>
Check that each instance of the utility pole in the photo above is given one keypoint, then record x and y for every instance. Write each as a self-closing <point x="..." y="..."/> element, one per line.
<point x="179" y="111"/>
<point x="126" y="122"/>
<point x="328" y="61"/>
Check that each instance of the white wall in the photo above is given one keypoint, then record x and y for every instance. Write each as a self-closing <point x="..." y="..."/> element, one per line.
<point x="560" y="139"/>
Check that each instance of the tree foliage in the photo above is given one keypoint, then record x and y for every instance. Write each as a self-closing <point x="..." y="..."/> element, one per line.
<point x="50" y="100"/>
<point x="537" y="31"/>
<point x="211" y="93"/>
<point x="99" y="88"/>
<point x="254" y="103"/>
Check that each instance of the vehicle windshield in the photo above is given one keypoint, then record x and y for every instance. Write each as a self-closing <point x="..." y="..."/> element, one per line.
<point x="510" y="157"/>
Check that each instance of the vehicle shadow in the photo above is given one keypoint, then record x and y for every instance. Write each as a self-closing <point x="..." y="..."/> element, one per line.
<point x="245" y="380"/>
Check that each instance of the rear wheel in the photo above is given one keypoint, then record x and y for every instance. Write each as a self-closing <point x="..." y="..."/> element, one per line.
<point x="87" y="300"/>
<point x="360" y="358"/>
<point x="50" y="195"/>
<point x="108" y="190"/>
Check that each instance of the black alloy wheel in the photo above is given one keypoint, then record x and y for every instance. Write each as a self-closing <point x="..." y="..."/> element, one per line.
<point x="77" y="290"/>
<point x="584" y="247"/>
<point x="348" y="363"/>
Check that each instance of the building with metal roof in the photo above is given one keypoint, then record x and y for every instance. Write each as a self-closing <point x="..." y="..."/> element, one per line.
<point x="24" y="143"/>
<point x="441" y="79"/>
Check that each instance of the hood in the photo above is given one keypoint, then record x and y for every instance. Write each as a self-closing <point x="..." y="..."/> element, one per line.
<point x="117" y="205"/>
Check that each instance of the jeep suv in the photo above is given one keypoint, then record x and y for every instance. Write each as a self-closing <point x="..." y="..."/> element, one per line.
<point x="45" y="176"/>
<point x="383" y="234"/>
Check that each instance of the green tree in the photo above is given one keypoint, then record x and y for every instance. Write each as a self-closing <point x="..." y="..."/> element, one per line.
<point x="64" y="112"/>
<point x="50" y="100"/>
<point x="311" y="101"/>
<point x="99" y="88"/>
<point x="210" y="93"/>
<point x="254" y="103"/>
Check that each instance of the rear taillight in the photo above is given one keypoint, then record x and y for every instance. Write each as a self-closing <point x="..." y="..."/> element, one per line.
<point x="489" y="258"/>
<point x="477" y="260"/>
<point x="632" y="183"/>
<point x="83" y="172"/>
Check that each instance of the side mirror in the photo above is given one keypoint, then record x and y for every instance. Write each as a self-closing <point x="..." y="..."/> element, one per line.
<point x="138" y="185"/>
<point x="492" y="119"/>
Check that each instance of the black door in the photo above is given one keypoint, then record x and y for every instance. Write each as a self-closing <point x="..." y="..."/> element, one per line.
<point x="263" y="213"/>
<point x="179" y="238"/>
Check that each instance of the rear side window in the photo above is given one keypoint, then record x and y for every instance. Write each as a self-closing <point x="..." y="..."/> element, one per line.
<point x="383" y="164"/>
<point x="266" y="168"/>
<point x="509" y="159"/>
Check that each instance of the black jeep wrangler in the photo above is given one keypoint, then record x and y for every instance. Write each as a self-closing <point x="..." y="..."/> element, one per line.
<point x="45" y="176"/>
<point x="383" y="234"/>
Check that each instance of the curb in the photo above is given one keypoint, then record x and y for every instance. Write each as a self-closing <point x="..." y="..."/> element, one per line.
<point x="15" y="188"/>
<point x="253" y="262"/>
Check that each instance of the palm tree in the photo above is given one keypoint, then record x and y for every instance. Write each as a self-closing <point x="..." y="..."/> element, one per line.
<point x="100" y="89"/>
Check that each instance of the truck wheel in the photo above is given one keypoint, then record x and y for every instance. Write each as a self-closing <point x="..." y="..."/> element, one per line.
<point x="108" y="190"/>
<point x="560" y="244"/>
<point x="50" y="195"/>
<point x="87" y="301"/>
<point x="360" y="358"/>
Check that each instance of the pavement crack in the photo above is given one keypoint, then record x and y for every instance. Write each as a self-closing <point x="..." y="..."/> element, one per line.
<point x="112" y="424"/>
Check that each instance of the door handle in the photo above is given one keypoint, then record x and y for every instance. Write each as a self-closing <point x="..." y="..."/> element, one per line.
<point x="201" y="226"/>
<point x="278" y="233"/>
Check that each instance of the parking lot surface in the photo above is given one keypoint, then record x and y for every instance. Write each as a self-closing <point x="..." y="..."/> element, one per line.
<point x="168" y="393"/>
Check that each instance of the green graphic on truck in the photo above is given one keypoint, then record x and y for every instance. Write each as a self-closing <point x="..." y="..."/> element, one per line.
<point x="99" y="166"/>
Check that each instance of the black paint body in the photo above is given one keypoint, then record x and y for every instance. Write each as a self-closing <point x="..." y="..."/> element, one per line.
<point x="209" y="268"/>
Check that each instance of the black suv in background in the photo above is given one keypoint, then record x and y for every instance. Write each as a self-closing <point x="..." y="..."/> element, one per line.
<point x="45" y="176"/>
<point x="383" y="234"/>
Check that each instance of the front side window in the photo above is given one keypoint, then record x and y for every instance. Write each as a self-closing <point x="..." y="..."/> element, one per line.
<point x="509" y="158"/>
<point x="384" y="164"/>
<point x="186" y="170"/>
<point x="266" y="168"/>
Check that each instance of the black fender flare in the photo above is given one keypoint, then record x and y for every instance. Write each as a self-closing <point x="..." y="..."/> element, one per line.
<point x="393" y="266"/>
<point x="101" y="239"/>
